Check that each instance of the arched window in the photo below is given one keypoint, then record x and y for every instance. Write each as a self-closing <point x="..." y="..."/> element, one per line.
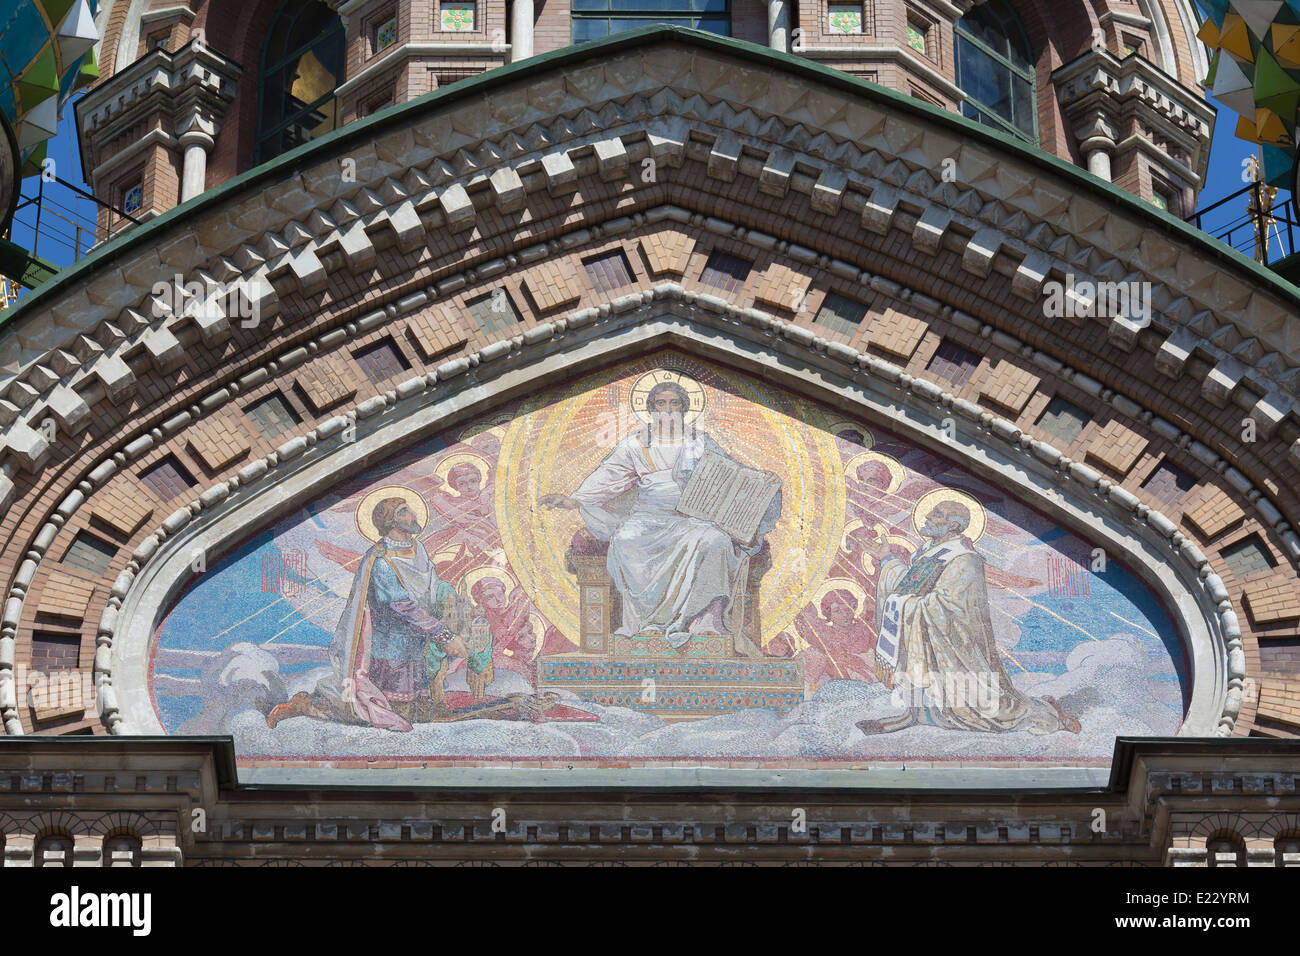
<point x="593" y="19"/>
<point x="1225" y="848"/>
<point x="995" y="69"/>
<point x="302" y="66"/>
<point x="53" y="849"/>
<point x="1286" y="845"/>
<point x="121" y="848"/>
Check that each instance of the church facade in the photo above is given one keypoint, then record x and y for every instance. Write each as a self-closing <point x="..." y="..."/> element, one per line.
<point x="562" y="444"/>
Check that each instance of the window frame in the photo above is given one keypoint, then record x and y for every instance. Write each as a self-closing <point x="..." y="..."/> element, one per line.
<point x="374" y="24"/>
<point x="928" y="28"/>
<point x="650" y="14"/>
<point x="265" y="134"/>
<point x="862" y="23"/>
<point x="1006" y="16"/>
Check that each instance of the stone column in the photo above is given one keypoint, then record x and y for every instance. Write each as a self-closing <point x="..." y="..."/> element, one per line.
<point x="778" y="25"/>
<point x="521" y="30"/>
<point x="1096" y="139"/>
<point x="196" y="137"/>
<point x="1098" y="155"/>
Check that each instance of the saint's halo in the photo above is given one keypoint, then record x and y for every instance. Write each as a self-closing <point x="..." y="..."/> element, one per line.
<point x="366" y="510"/>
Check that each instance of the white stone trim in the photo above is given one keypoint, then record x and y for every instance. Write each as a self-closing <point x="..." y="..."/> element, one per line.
<point x="163" y="13"/>
<point x="409" y="49"/>
<point x="124" y="157"/>
<point x="889" y="53"/>
<point x="1191" y="24"/>
<point x="1260" y="307"/>
<point x="129" y="40"/>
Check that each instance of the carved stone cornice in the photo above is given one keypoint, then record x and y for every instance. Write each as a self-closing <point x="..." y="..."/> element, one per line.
<point x="1164" y="798"/>
<point x="193" y="81"/>
<point x="449" y="161"/>
<point x="1100" y="82"/>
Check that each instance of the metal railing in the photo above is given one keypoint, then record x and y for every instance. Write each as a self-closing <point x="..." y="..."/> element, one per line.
<point x="1264" y="225"/>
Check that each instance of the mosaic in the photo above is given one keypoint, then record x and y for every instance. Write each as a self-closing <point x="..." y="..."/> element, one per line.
<point x="668" y="561"/>
<point x="458" y="16"/>
<point x="916" y="38"/>
<point x="845" y="18"/>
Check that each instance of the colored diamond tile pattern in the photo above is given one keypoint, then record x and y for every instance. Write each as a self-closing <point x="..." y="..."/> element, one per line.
<point x="1255" y="72"/>
<point x="386" y="35"/>
<point x="45" y="56"/>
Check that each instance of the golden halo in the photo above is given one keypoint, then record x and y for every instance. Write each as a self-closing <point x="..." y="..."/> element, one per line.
<point x="840" y="584"/>
<point x="897" y="474"/>
<point x="642" y="387"/>
<point x="495" y="426"/>
<point x="838" y="425"/>
<point x="932" y="498"/>
<point x="444" y="467"/>
<point x="365" y="510"/>
<point x="849" y="528"/>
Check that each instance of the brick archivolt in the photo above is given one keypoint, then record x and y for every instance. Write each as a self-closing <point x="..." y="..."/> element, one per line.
<point x="402" y="250"/>
<point x="452" y="159"/>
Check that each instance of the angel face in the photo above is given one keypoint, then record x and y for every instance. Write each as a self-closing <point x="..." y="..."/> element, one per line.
<point x="466" y="481"/>
<point x="841" y="613"/>
<point x="492" y="593"/>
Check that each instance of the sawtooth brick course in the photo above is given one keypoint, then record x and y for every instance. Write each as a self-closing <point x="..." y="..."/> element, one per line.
<point x="353" y="291"/>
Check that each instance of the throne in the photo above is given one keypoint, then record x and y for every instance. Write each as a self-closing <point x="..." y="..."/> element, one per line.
<point x="705" y="678"/>
<point x="600" y="608"/>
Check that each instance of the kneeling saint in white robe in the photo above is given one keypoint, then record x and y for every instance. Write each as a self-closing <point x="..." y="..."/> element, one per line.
<point x="936" y="642"/>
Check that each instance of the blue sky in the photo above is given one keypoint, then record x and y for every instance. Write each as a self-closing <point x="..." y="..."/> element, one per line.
<point x="57" y="249"/>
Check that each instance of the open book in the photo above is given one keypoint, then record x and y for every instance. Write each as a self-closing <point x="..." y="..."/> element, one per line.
<point x="733" y="497"/>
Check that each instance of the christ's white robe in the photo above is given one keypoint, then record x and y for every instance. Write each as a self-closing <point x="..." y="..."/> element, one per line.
<point x="668" y="567"/>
